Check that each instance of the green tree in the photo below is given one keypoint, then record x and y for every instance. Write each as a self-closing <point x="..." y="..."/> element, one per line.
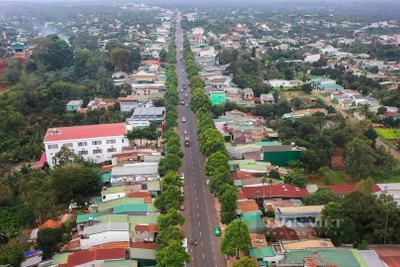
<point x="172" y="218"/>
<point x="75" y="179"/>
<point x="163" y="55"/>
<point x="171" y="198"/>
<point x="196" y="82"/>
<point x="220" y="177"/>
<point x="245" y="262"/>
<point x="63" y="157"/>
<point x="199" y="99"/>
<point x="384" y="227"/>
<point x="297" y="178"/>
<point x="322" y="196"/>
<point x="215" y="161"/>
<point x="306" y="87"/>
<point x="121" y="60"/>
<point x="366" y="185"/>
<point x="172" y="179"/>
<point x="170" y="162"/>
<point x="48" y="240"/>
<point x="172" y="255"/>
<point x="175" y="150"/>
<point x="171" y="233"/>
<point x="359" y="158"/>
<point x="236" y="239"/>
<point x="112" y="44"/>
<point x="229" y="204"/>
<point x="12" y="254"/>
<point x="80" y="60"/>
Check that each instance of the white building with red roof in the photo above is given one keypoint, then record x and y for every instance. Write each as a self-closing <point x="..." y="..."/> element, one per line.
<point x="94" y="142"/>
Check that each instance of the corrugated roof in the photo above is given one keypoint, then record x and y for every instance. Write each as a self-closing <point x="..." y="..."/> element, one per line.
<point x="274" y="191"/>
<point x="142" y="253"/>
<point x="85" y="217"/>
<point x="117" y="202"/>
<point x="120" y="263"/>
<point x="130" y="208"/>
<point x="262" y="252"/>
<point x="86" y="256"/>
<point x="103" y="227"/>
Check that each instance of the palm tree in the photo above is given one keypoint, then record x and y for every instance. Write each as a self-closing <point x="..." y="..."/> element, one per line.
<point x="263" y="181"/>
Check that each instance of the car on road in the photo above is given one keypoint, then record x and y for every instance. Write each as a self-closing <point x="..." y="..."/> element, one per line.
<point x="182" y="176"/>
<point x="182" y="70"/>
<point x="185" y="132"/>
<point x="208" y="182"/>
<point x="182" y="208"/>
<point x="181" y="91"/>
<point x="182" y="102"/>
<point x="217" y="231"/>
<point x="187" y="104"/>
<point x="183" y="119"/>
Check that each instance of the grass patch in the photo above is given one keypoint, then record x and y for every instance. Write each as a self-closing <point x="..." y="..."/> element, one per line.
<point x="388" y="133"/>
<point x="338" y="177"/>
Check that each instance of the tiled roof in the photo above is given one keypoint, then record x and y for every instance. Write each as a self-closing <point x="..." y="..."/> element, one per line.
<point x="247" y="205"/>
<point x="273" y="191"/>
<point x="390" y="254"/>
<point x="153" y="228"/>
<point x="85" y="132"/>
<point x="142" y="228"/>
<point x="86" y="256"/>
<point x="50" y="224"/>
<point x="140" y="194"/>
<point x="285" y="233"/>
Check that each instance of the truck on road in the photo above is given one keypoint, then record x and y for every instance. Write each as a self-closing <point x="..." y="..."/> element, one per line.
<point x="187" y="142"/>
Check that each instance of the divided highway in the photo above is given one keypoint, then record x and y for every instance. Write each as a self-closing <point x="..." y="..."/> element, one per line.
<point x="200" y="214"/>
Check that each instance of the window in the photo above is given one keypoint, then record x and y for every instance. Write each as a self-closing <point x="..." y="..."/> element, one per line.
<point x="123" y="140"/>
<point x="52" y="146"/>
<point x="82" y="144"/>
<point x="68" y="145"/>
<point x="113" y="149"/>
<point x="96" y="143"/>
<point x="83" y="152"/>
<point x="112" y="141"/>
<point x="97" y="151"/>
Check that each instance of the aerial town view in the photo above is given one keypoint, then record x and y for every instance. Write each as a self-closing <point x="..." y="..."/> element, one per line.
<point x="199" y="133"/>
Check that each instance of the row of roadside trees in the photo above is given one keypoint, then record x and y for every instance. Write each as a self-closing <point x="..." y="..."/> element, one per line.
<point x="212" y="146"/>
<point x="169" y="239"/>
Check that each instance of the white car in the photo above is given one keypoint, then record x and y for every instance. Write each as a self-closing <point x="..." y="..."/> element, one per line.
<point x="185" y="132"/>
<point x="208" y="182"/>
<point x="183" y="119"/>
<point x="182" y="176"/>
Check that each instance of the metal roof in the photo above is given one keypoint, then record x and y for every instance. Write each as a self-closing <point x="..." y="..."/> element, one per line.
<point x="103" y="227"/>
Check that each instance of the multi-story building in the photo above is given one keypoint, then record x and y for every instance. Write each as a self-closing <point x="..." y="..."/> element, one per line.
<point x="94" y="142"/>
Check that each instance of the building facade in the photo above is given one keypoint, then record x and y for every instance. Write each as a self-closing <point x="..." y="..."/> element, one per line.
<point x="92" y="142"/>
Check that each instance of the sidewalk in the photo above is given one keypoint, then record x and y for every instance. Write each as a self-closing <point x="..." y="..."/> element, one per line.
<point x="231" y="260"/>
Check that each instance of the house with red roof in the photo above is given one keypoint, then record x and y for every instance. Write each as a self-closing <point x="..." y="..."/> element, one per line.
<point x="95" y="257"/>
<point x="274" y="191"/>
<point x="94" y="142"/>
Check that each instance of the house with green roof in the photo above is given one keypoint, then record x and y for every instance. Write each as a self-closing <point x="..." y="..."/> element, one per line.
<point x="264" y="255"/>
<point x="110" y="205"/>
<point x="120" y="263"/>
<point x="86" y="218"/>
<point x="217" y="98"/>
<point x="145" y="257"/>
<point x="131" y="209"/>
<point x="339" y="257"/>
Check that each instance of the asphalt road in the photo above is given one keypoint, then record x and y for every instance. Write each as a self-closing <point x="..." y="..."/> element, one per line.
<point x="201" y="218"/>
